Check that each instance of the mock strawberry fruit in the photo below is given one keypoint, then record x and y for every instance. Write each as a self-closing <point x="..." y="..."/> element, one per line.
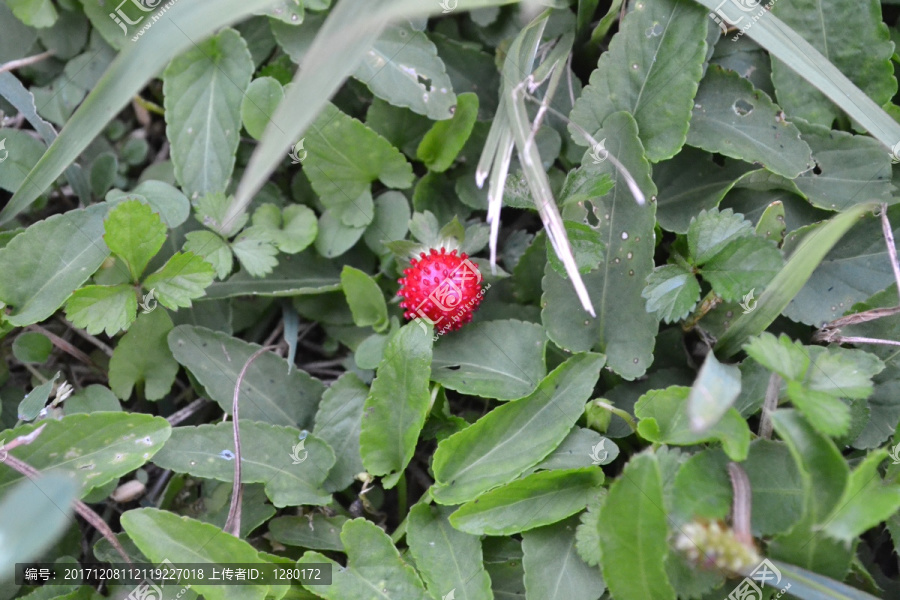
<point x="442" y="287"/>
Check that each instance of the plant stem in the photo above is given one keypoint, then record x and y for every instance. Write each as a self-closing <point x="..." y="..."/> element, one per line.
<point x="619" y="413"/>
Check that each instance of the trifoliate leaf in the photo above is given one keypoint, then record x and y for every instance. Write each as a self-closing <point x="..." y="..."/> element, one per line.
<point x="184" y="277"/>
<point x="96" y="308"/>
<point x="211" y="210"/>
<point x="135" y="233"/>
<point x="254" y="249"/>
<point x="672" y="292"/>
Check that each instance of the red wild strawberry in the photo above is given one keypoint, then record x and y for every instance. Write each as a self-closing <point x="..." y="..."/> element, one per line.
<point x="441" y="287"/>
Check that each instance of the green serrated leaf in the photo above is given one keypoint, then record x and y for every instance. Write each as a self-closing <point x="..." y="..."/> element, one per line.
<point x="270" y="455"/>
<point x="161" y="535"/>
<point x="97" y="308"/>
<point x="514" y="437"/>
<point x="374" y="571"/>
<point x="730" y="117"/>
<point x="867" y="500"/>
<point x="212" y="209"/>
<point x="96" y="448"/>
<point x="212" y="248"/>
<point x="203" y="89"/>
<point x="172" y="206"/>
<point x="142" y="357"/>
<point x="712" y="230"/>
<point x="648" y="73"/>
<point x="398" y="401"/>
<point x="255" y="250"/>
<point x="533" y="501"/>
<point x="183" y="278"/>
<point x="745" y="264"/>
<point x="135" y="234"/>
<point x="672" y="292"/>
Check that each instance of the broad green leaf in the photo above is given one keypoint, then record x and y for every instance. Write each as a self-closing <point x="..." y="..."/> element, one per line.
<point x="494" y="359"/>
<point x="212" y="248"/>
<point x="826" y="413"/>
<point x="36" y="13"/>
<point x="849" y="169"/>
<point x="745" y="264"/>
<point x="270" y="392"/>
<point x="391" y="221"/>
<point x="446" y="558"/>
<point x="259" y="103"/>
<point x="336" y="237"/>
<point x="553" y="569"/>
<point x="96" y="308"/>
<point x="852" y="37"/>
<point x="255" y="251"/>
<point x="32" y="347"/>
<point x="162" y="535"/>
<point x="790" y="359"/>
<point x="730" y="117"/>
<point x="172" y="206"/>
<point x="208" y="451"/>
<point x="93" y="398"/>
<point x="203" y="89"/>
<point x="135" y="234"/>
<point x="771" y="224"/>
<point x="41" y="266"/>
<point x="623" y="329"/>
<point x="867" y="500"/>
<point x="672" y="292"/>
<point x="632" y="533"/>
<point x="338" y="421"/>
<point x="513" y="437"/>
<point x="183" y="278"/>
<point x="32" y="404"/>
<point x="317" y="532"/>
<point x="127" y="76"/>
<point x="291" y="229"/>
<point x="398" y="401"/>
<point x="533" y="501"/>
<point x="664" y="419"/>
<point x="443" y="142"/>
<point x="21" y="152"/>
<point x="306" y="273"/>
<point x="854" y="269"/>
<point x="790" y="279"/>
<point x="142" y="358"/>
<point x="374" y="571"/>
<point x="711" y="231"/>
<point x="714" y="391"/>
<point x="365" y="298"/>
<point x="36" y="512"/>
<point x="825" y="475"/>
<point x="701" y="488"/>
<point x="103" y="172"/>
<point x="776" y="484"/>
<point x="96" y="448"/>
<point x="581" y="448"/>
<point x="587" y="246"/>
<point x="652" y="70"/>
<point x="344" y="158"/>
<point x="403" y="68"/>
